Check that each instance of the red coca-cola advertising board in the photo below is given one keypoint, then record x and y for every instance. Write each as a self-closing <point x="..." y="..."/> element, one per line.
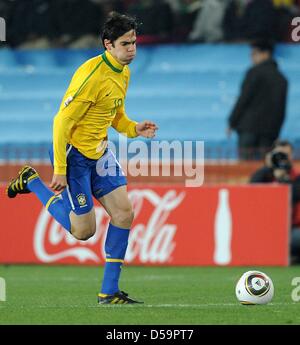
<point x="224" y="225"/>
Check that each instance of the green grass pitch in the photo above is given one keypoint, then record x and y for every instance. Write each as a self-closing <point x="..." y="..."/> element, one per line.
<point x="172" y="295"/>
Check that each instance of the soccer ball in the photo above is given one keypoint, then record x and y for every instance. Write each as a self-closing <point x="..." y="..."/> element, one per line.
<point x="254" y="287"/>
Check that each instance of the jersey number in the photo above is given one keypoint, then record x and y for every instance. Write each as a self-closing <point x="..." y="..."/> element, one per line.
<point x="117" y="104"/>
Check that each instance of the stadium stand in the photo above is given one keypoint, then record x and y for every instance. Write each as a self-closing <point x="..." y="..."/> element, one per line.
<point x="188" y="90"/>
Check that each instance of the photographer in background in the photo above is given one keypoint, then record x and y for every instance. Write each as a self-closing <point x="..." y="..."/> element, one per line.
<point x="279" y="169"/>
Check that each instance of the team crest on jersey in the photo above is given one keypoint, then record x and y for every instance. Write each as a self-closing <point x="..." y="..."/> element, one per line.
<point x="81" y="199"/>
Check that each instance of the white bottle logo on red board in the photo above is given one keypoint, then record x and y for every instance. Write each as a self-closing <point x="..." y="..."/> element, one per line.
<point x="223" y="229"/>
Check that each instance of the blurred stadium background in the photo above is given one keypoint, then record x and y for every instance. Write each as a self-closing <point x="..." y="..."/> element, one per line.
<point x="188" y="88"/>
<point x="186" y="78"/>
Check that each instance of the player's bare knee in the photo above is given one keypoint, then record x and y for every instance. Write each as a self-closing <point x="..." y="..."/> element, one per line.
<point x="123" y="218"/>
<point x="83" y="234"/>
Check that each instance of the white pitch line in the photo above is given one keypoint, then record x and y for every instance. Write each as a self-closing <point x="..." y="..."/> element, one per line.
<point x="190" y="306"/>
<point x="95" y="279"/>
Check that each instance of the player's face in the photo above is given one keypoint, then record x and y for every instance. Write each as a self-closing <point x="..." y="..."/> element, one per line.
<point x="124" y="48"/>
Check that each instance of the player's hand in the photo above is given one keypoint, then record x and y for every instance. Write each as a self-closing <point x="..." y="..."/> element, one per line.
<point x="59" y="182"/>
<point x="146" y="129"/>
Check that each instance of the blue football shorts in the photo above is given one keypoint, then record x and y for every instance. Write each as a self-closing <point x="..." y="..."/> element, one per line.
<point x="89" y="177"/>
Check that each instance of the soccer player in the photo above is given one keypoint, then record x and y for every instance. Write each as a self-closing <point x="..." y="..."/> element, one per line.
<point x="93" y="102"/>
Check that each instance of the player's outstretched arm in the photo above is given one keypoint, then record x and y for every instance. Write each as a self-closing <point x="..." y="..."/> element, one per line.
<point x="146" y="129"/>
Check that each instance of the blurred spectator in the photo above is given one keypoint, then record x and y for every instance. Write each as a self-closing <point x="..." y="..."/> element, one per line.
<point x="279" y="168"/>
<point x="208" y="24"/>
<point x="259" y="20"/>
<point x="45" y="23"/>
<point x="248" y="20"/>
<point x="259" y="112"/>
<point x="175" y="5"/>
<point x="185" y="13"/>
<point x="156" y="18"/>
<point x="119" y="6"/>
<point x="280" y="3"/>
<point x="77" y="23"/>
<point x="29" y="24"/>
<point x="233" y="21"/>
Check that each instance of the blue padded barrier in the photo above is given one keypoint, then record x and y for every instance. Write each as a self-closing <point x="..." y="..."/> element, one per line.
<point x="189" y="90"/>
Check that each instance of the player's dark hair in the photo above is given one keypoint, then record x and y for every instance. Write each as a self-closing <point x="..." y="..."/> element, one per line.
<point x="117" y="25"/>
<point x="263" y="45"/>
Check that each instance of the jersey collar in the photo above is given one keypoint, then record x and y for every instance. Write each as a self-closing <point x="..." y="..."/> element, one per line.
<point x="112" y="62"/>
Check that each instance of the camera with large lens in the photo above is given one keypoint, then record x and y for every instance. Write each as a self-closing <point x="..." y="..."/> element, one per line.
<point x="280" y="160"/>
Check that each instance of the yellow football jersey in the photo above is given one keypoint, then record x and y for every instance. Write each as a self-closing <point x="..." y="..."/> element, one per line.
<point x="93" y="102"/>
